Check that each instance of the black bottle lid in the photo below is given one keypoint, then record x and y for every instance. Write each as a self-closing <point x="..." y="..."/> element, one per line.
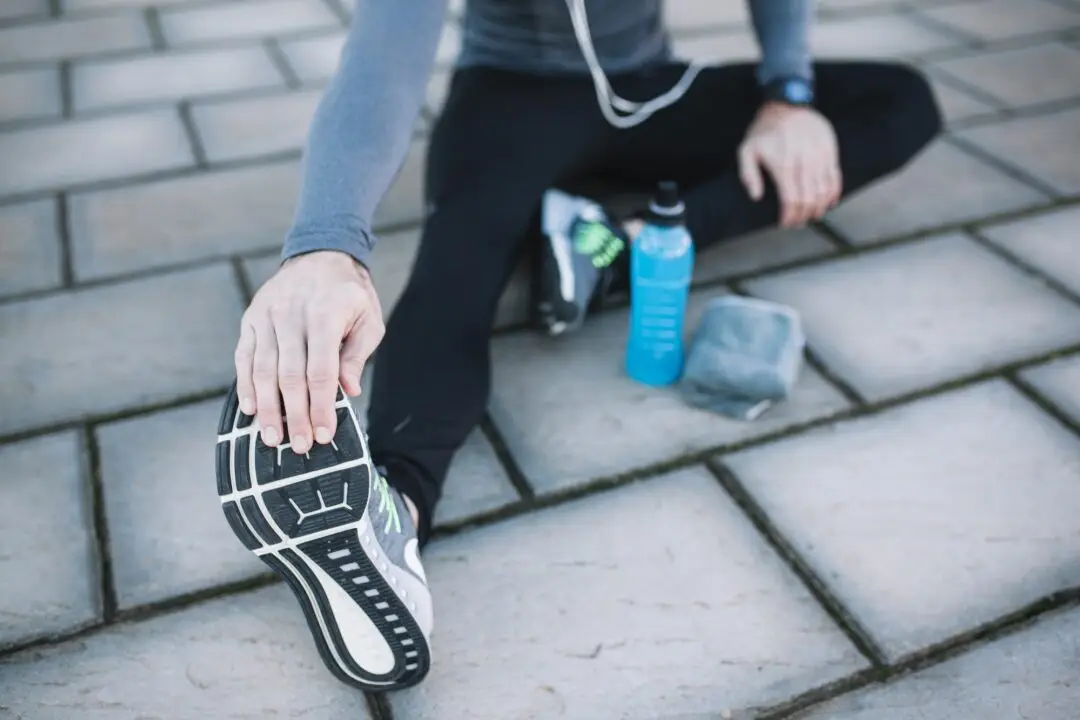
<point x="666" y="207"/>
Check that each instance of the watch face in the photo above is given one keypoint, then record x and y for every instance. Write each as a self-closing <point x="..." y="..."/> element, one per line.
<point x="797" y="91"/>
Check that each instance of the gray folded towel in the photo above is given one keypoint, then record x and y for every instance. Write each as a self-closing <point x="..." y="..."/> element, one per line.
<point x="744" y="356"/>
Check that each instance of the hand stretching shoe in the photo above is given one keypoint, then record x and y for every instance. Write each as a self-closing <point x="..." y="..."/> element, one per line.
<point x="343" y="540"/>
<point x="579" y="247"/>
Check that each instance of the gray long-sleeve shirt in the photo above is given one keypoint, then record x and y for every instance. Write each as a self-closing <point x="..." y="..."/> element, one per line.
<point x="361" y="130"/>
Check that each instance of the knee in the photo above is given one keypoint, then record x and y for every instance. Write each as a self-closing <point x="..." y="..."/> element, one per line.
<point x="916" y="107"/>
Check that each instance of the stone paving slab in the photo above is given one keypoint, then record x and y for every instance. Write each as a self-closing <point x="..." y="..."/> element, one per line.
<point x="933" y="518"/>
<point x="404" y="201"/>
<point x="903" y="318"/>
<point x="759" y="251"/>
<point x="1044" y="73"/>
<point x="912" y="200"/>
<point x="1044" y="146"/>
<point x="109" y="348"/>
<point x="171" y="77"/>
<point x="878" y="36"/>
<point x="1003" y="19"/>
<point x="105" y="148"/>
<point x="1046" y="241"/>
<point x="30" y="94"/>
<point x="252" y="19"/>
<point x="30" y="251"/>
<point x="74" y="37"/>
<point x="48" y="562"/>
<point x="167" y="534"/>
<point x="658" y="599"/>
<point x="70" y="6"/>
<point x="1031" y="675"/>
<point x="257" y="126"/>
<point x="682" y="15"/>
<point x="957" y="105"/>
<point x="1059" y="382"/>
<point x="243" y="656"/>
<point x="154" y="225"/>
<point x="569" y="413"/>
<point x="19" y="9"/>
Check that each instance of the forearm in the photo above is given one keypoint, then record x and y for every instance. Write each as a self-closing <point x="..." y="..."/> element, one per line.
<point x="782" y="28"/>
<point x="362" y="128"/>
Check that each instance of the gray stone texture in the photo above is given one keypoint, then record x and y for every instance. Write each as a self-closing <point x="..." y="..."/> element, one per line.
<point x="20" y="9"/>
<point x="30" y="248"/>
<point x="104" y="148"/>
<point x="167" y="533"/>
<point x="243" y="656"/>
<point x="654" y="600"/>
<point x="933" y="518"/>
<point x="1059" y="382"/>
<point x="171" y="77"/>
<point x="48" y="561"/>
<point x="248" y="19"/>
<point x="758" y="252"/>
<point x="74" y="37"/>
<point x="1045" y="146"/>
<point x="29" y="94"/>
<point x="1023" y="76"/>
<point x="181" y="220"/>
<point x="110" y="348"/>
<point x="877" y="36"/>
<point x="1002" y="19"/>
<point x="905" y="318"/>
<point x="912" y="200"/>
<point x="1046" y="241"/>
<point x="252" y="127"/>
<point x="570" y="414"/>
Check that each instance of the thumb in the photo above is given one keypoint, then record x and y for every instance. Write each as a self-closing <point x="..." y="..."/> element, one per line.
<point x="750" y="172"/>
<point x="358" y="347"/>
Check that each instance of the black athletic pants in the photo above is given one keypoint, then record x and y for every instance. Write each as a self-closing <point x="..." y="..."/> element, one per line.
<point x="504" y="138"/>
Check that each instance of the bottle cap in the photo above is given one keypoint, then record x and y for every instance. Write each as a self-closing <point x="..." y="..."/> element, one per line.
<point x="667" y="194"/>
<point x="666" y="207"/>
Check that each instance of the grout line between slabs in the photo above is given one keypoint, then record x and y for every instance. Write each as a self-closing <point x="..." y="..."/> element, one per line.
<point x="1023" y="266"/>
<point x="67" y="91"/>
<point x="506" y="458"/>
<point x="243" y="282"/>
<point x="1001" y="166"/>
<point x="859" y="636"/>
<point x="100" y="525"/>
<point x="379" y="706"/>
<point x="280" y="61"/>
<point x="63" y="235"/>
<point x="198" y="150"/>
<point x="153" y="27"/>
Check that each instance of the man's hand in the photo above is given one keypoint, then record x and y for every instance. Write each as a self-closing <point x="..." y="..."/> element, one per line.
<point x="312" y="325"/>
<point x="797" y="146"/>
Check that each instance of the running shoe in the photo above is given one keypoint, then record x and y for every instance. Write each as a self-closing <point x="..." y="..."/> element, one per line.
<point x="580" y="244"/>
<point x="341" y="537"/>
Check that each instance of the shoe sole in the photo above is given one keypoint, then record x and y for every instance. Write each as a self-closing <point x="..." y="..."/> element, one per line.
<point x="306" y="517"/>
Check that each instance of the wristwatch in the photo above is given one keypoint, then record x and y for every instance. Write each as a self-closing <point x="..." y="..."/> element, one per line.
<point x="790" y="90"/>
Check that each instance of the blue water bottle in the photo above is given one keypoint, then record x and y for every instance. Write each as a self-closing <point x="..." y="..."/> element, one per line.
<point x="661" y="266"/>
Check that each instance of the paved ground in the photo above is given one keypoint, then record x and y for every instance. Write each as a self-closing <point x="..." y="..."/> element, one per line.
<point x="898" y="541"/>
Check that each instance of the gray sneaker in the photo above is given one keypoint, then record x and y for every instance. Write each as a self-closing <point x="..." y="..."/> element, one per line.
<point x="343" y="540"/>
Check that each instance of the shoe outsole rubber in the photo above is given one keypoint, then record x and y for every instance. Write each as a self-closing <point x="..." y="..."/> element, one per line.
<point x="295" y="511"/>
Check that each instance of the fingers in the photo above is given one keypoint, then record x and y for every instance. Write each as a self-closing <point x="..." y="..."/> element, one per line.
<point x="243" y="359"/>
<point x="358" y="347"/>
<point x="264" y="374"/>
<point x="322" y="376"/>
<point x="292" y="376"/>
<point x="750" y="172"/>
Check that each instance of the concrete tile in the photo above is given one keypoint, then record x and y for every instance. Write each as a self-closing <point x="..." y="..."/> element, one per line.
<point x="740" y="46"/>
<point x="391" y="263"/>
<point x="933" y="518"/>
<point x="655" y="600"/>
<point x="171" y="76"/>
<point x="876" y="36"/>
<point x="48" y="565"/>
<point x="30" y="251"/>
<point x="917" y="315"/>
<point x="912" y="200"/>
<point x="1032" y="673"/>
<point x="69" y="38"/>
<point x="1002" y="19"/>
<point x="81" y="5"/>
<point x="19" y="9"/>
<point x="241" y="656"/>
<point x="1059" y="382"/>
<point x="29" y="94"/>
<point x="251" y="127"/>
<point x="570" y="414"/>
<point x="476" y="483"/>
<point x="248" y="19"/>
<point x="1046" y="241"/>
<point x="314" y="59"/>
<point x="1045" y="147"/>
<point x="200" y="216"/>
<point x="956" y="104"/>
<point x="1024" y="76"/>
<point x="140" y="342"/>
<point x="166" y="531"/>
<point x="759" y="251"/>
<point x="404" y="201"/>
<point x="680" y="15"/>
<point x="105" y="148"/>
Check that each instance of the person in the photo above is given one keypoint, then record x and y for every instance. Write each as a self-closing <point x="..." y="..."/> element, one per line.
<point x="546" y="94"/>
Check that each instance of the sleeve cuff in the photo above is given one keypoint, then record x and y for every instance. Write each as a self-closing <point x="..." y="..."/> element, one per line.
<point x="350" y="236"/>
